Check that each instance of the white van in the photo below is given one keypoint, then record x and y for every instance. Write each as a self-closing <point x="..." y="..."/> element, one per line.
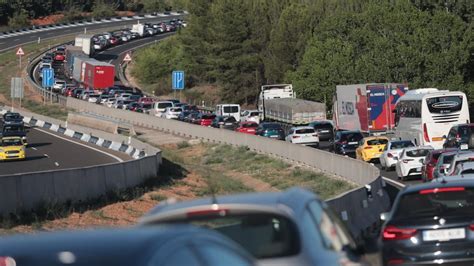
<point x="160" y="107"/>
<point x="228" y="110"/>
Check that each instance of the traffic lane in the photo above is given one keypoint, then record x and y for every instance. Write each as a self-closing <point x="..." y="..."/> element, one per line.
<point x="11" y="42"/>
<point x="50" y="151"/>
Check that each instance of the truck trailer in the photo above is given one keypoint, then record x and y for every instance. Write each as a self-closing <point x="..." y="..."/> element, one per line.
<point x="367" y="107"/>
<point x="97" y="74"/>
<point x="85" y="41"/>
<point x="278" y="103"/>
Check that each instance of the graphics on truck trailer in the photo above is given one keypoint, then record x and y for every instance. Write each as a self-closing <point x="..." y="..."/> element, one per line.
<point x="367" y="107"/>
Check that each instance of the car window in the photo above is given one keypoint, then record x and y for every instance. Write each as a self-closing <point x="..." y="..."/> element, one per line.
<point x="305" y="131"/>
<point x="352" y="137"/>
<point x="214" y="254"/>
<point x="182" y="256"/>
<point x="327" y="126"/>
<point x="452" y="202"/>
<point x="377" y="142"/>
<point x="401" y="145"/>
<point x="417" y="153"/>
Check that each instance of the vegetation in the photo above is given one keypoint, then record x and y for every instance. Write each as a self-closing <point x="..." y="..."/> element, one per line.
<point x="240" y="45"/>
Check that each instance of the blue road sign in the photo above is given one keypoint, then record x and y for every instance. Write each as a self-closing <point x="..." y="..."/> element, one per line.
<point x="48" y="77"/>
<point x="178" y="80"/>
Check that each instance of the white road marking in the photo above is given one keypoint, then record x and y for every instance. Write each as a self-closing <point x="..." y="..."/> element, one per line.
<point x="45" y="155"/>
<point x="33" y="148"/>
<point x="80" y="144"/>
<point x="16" y="40"/>
<point x="393" y="182"/>
<point x="56" y="163"/>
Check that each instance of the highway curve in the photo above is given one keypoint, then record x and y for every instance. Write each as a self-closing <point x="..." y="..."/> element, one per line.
<point x="51" y="151"/>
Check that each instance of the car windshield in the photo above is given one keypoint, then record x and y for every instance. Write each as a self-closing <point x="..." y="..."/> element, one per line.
<point x="465" y="133"/>
<point x="445" y="202"/>
<point x="164" y="105"/>
<point x="353" y="137"/>
<point x="305" y="131"/>
<point x="272" y="126"/>
<point x="208" y="116"/>
<point x="263" y="235"/>
<point x="322" y="126"/>
<point x="12" y="116"/>
<point x="377" y="142"/>
<point x="249" y="125"/>
<point x="230" y="109"/>
<point x="401" y="145"/>
<point x="12" y="128"/>
<point x="11" y="142"/>
<point x="417" y="153"/>
<point x="447" y="159"/>
<point x="175" y="109"/>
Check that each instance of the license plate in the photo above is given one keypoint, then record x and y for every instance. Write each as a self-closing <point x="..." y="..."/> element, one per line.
<point x="353" y="143"/>
<point x="274" y="136"/>
<point x="418" y="169"/>
<point x="464" y="147"/>
<point x="444" y="234"/>
<point x="324" y="131"/>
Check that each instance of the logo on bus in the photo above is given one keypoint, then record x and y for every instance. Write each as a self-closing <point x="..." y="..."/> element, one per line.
<point x="443" y="105"/>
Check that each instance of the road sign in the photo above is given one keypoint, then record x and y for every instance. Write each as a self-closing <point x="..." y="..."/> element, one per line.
<point x="127" y="58"/>
<point x="20" y="51"/>
<point x="48" y="77"/>
<point x="16" y="88"/>
<point x="178" y="80"/>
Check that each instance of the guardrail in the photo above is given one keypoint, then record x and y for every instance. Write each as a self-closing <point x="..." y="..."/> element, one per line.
<point x="27" y="191"/>
<point x="360" y="208"/>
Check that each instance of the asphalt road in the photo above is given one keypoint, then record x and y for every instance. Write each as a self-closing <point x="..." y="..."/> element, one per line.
<point x="9" y="42"/>
<point x="50" y="151"/>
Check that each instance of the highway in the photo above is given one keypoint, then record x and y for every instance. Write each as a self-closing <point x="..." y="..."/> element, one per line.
<point x="49" y="151"/>
<point x="8" y="42"/>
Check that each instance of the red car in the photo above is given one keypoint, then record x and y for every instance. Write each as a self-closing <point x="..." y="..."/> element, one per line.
<point x="59" y="56"/>
<point x="146" y="100"/>
<point x="205" y="119"/>
<point x="247" y="127"/>
<point x="427" y="171"/>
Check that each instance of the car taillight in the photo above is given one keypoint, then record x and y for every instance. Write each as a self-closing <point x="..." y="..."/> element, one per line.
<point x="471" y="227"/>
<point x="295" y="137"/>
<point x="394" y="233"/>
<point x="216" y="212"/>
<point x="439" y="190"/>
<point x="407" y="160"/>
<point x="395" y="261"/>
<point x="315" y="135"/>
<point x="389" y="155"/>
<point x="425" y="133"/>
<point x="7" y="261"/>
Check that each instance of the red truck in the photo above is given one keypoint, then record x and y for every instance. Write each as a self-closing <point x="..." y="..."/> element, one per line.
<point x="98" y="75"/>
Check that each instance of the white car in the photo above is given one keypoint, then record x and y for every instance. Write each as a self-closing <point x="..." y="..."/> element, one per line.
<point x="303" y="135"/>
<point x="110" y="102"/>
<point x="462" y="177"/>
<point x="460" y="157"/>
<point x="391" y="152"/>
<point x="464" y="168"/>
<point x="171" y="112"/>
<point x="59" y="85"/>
<point x="411" y="161"/>
<point x="251" y="116"/>
<point x="124" y="96"/>
<point x="93" y="98"/>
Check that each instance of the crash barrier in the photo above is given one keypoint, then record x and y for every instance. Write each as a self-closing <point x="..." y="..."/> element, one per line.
<point x="355" y="208"/>
<point x="26" y="191"/>
<point x="107" y="125"/>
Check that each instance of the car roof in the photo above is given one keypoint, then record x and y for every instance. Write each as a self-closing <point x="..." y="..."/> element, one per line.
<point x="431" y="185"/>
<point x="375" y="137"/>
<point x="344" y="132"/>
<point x="303" y="127"/>
<point x="464" y="155"/>
<point x="418" y="148"/>
<point x="441" y="151"/>
<point x="293" y="198"/>
<point x="467" y="165"/>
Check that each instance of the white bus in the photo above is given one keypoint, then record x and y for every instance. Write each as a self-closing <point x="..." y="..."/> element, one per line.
<point x="425" y="116"/>
<point x="228" y="110"/>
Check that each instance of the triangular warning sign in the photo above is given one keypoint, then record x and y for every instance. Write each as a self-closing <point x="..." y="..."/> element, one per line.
<point x="20" y="51"/>
<point x="127" y="58"/>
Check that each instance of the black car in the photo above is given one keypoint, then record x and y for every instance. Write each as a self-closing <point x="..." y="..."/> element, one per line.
<point x="183" y="115"/>
<point x="324" y="129"/>
<point x="345" y="142"/>
<point x="192" y="117"/>
<point x="226" y="122"/>
<point x="17" y="130"/>
<point x="430" y="224"/>
<point x="461" y="137"/>
<point x="270" y="130"/>
<point x="11" y="118"/>
<point x="166" y="246"/>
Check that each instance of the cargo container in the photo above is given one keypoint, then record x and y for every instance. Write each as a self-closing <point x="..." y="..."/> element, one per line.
<point x="78" y="69"/>
<point x="85" y="41"/>
<point x="98" y="75"/>
<point x="72" y="52"/>
<point x="367" y="107"/>
<point x="139" y="28"/>
<point x="278" y="103"/>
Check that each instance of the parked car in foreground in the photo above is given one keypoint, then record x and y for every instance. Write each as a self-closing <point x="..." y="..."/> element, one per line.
<point x="430" y="224"/>
<point x="371" y="148"/>
<point x="293" y="227"/>
<point x="411" y="161"/>
<point x="165" y="246"/>
<point x="391" y="153"/>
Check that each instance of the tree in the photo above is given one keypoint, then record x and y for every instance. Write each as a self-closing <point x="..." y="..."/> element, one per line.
<point x="154" y="5"/>
<point x="102" y="9"/>
<point x="19" y="19"/>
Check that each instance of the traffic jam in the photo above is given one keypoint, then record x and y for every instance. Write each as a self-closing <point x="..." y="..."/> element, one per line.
<point x="419" y="134"/>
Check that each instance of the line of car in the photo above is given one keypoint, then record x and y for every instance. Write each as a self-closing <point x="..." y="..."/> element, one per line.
<point x="12" y="137"/>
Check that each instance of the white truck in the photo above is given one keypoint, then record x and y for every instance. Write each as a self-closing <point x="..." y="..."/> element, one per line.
<point x="139" y="28"/>
<point x="85" y="41"/>
<point x="278" y="103"/>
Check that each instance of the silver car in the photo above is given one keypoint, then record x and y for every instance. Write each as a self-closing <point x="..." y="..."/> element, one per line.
<point x="293" y="227"/>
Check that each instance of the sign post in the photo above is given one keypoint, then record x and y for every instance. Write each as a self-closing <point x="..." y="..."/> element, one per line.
<point x="177" y="78"/>
<point x="16" y="89"/>
<point x="20" y="53"/>
<point x="47" y="81"/>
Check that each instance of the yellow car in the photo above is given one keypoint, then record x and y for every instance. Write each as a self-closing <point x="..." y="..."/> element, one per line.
<point x="371" y="148"/>
<point x="12" y="148"/>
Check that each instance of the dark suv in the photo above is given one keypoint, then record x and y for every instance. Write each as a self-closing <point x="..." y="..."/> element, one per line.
<point x="346" y="142"/>
<point x="324" y="129"/>
<point x="461" y="137"/>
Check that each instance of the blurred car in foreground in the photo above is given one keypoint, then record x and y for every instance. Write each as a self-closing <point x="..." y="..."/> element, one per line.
<point x="345" y="142"/>
<point x="293" y="227"/>
<point x="270" y="130"/>
<point x="371" y="148"/>
<point x="430" y="224"/>
<point x="391" y="153"/>
<point x="303" y="135"/>
<point x="168" y="246"/>
<point x="411" y="161"/>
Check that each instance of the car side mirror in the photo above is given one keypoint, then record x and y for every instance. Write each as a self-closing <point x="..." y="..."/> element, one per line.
<point x="444" y="137"/>
<point x="384" y="216"/>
